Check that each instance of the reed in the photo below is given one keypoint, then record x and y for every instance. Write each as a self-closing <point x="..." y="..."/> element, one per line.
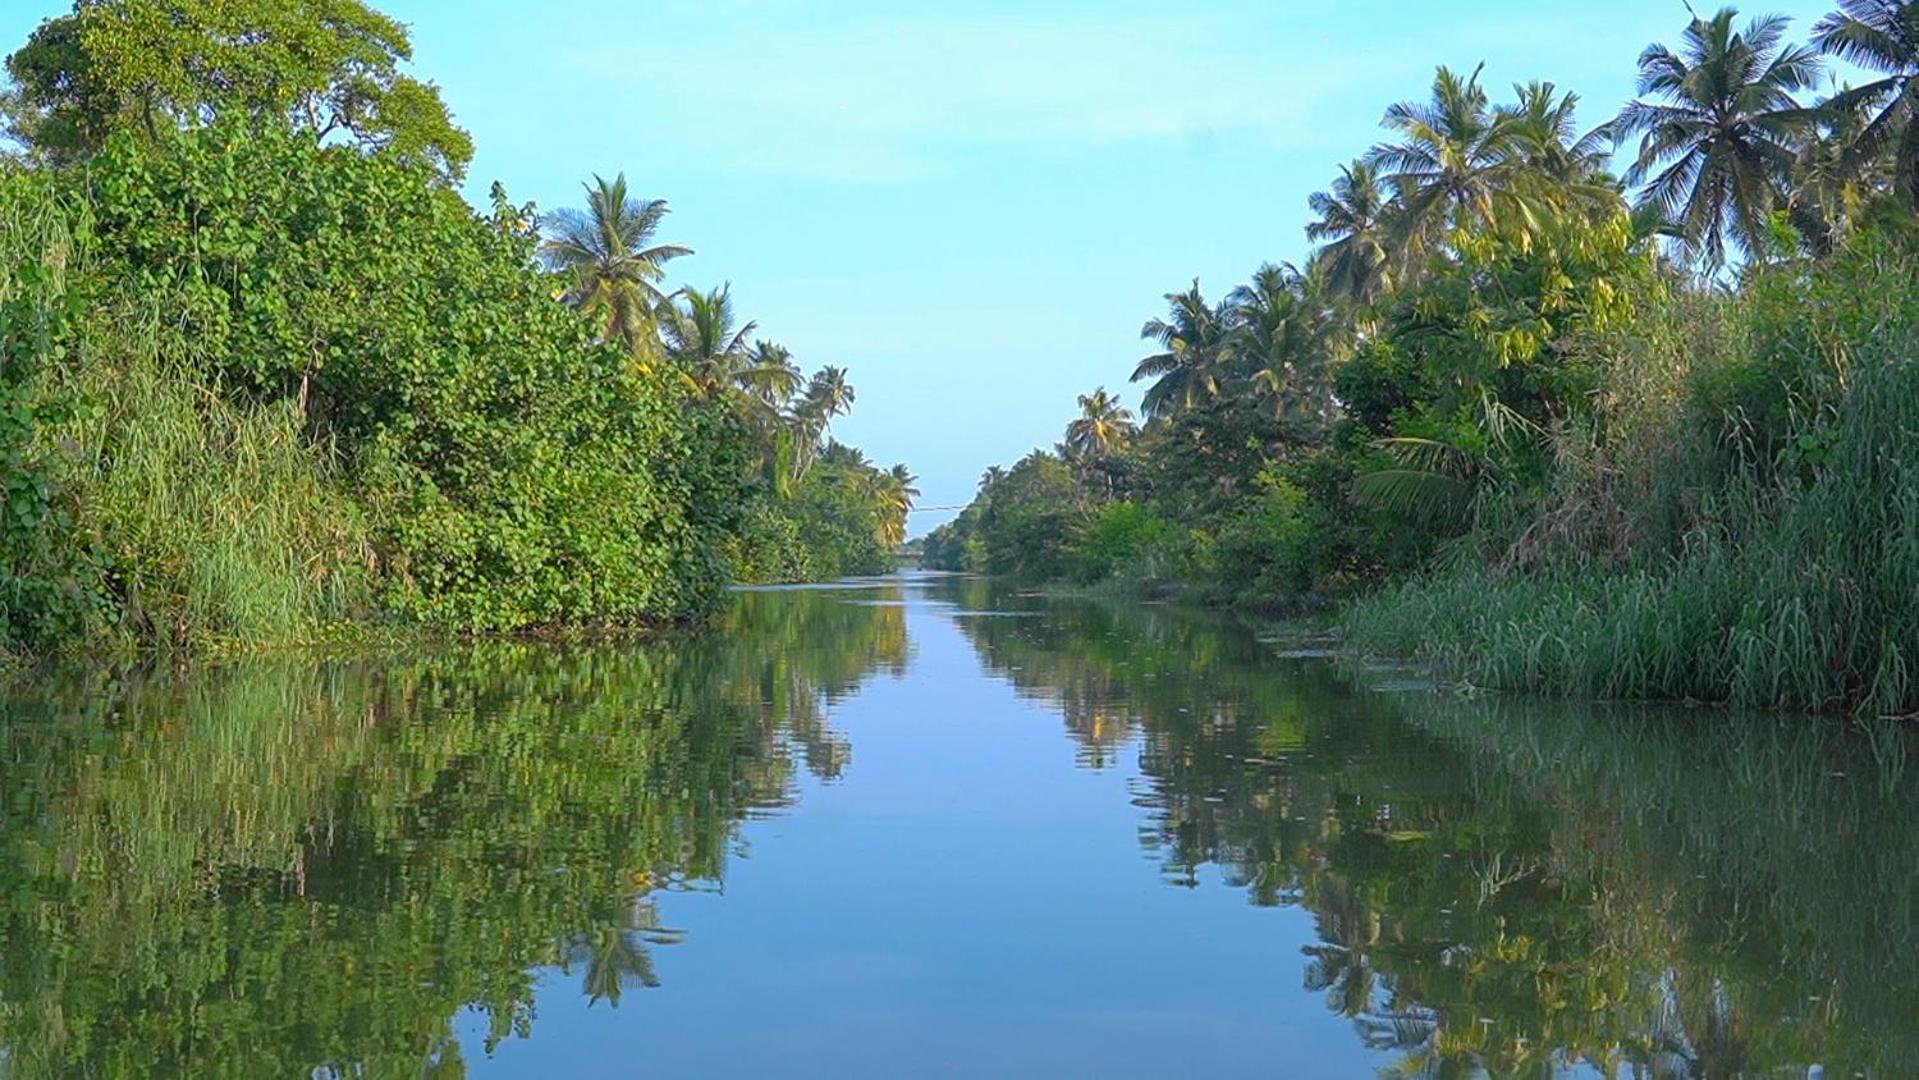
<point x="1750" y="539"/>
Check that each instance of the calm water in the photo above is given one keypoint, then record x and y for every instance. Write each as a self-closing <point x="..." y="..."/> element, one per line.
<point x="928" y="826"/>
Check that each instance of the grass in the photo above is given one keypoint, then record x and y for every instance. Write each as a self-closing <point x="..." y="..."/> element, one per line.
<point x="1800" y="595"/>
<point x="210" y="520"/>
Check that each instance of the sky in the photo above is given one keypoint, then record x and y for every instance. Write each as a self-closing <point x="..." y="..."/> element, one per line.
<point x="974" y="206"/>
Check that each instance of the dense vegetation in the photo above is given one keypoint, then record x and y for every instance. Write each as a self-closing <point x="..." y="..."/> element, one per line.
<point x="1649" y="435"/>
<point x="262" y="371"/>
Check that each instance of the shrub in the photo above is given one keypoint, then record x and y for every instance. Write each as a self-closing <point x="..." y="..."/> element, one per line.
<point x="515" y="473"/>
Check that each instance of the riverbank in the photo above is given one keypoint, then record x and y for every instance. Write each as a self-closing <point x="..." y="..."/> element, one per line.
<point x="263" y="388"/>
<point x="1727" y="511"/>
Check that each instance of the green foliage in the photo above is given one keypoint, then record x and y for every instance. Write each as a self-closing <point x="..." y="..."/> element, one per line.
<point x="1765" y="557"/>
<point x="518" y="474"/>
<point x="207" y="520"/>
<point x="322" y="67"/>
<point x="1031" y="519"/>
<point x="1126" y="540"/>
<point x="822" y="531"/>
<point x="1617" y="479"/>
<point x="43" y="592"/>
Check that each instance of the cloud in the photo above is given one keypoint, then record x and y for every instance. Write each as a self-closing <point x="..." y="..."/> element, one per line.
<point x="897" y="97"/>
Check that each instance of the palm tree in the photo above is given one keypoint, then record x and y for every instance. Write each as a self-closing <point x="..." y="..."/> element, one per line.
<point x="827" y="395"/>
<point x="905" y="479"/>
<point x="1282" y="335"/>
<point x="1102" y="427"/>
<point x="1832" y="184"/>
<point x="1570" y="165"/>
<point x="770" y="375"/>
<point x="840" y="455"/>
<point x="608" y="251"/>
<point x="699" y="334"/>
<point x="1453" y="165"/>
<point x="1352" y="224"/>
<point x="1714" y="151"/>
<point x="893" y="494"/>
<point x="1197" y="341"/>
<point x="1882" y="36"/>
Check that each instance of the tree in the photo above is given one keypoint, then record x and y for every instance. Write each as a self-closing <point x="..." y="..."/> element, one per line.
<point x="1453" y="167"/>
<point x="1717" y="144"/>
<point x="1570" y="165"/>
<point x="1282" y="339"/>
<point x="893" y="499"/>
<point x="1102" y="427"/>
<point x="1197" y="341"/>
<point x="700" y="333"/>
<point x="1833" y="187"/>
<point x="329" y="68"/>
<point x="826" y="396"/>
<point x="1352" y="223"/>
<point x="828" y="393"/>
<point x="608" y="251"/>
<point x="770" y="375"/>
<point x="1882" y="36"/>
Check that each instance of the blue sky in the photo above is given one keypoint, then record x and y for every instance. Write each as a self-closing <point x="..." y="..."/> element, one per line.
<point x="973" y="206"/>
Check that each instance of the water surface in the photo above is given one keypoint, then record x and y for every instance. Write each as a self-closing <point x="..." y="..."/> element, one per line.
<point x="928" y="826"/>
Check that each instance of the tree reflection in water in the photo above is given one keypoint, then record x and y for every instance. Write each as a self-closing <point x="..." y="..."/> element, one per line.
<point x="432" y="830"/>
<point x="1509" y="886"/>
<point x="1500" y="886"/>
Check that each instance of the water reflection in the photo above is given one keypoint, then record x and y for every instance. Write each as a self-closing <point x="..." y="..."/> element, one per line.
<point x="270" y="867"/>
<point x="319" y="868"/>
<point x="1504" y="886"/>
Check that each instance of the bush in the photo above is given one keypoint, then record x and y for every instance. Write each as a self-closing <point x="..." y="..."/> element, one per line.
<point x="515" y="473"/>
<point x="1127" y="541"/>
<point x="1789" y="581"/>
<point x="822" y="532"/>
<point x="254" y="386"/>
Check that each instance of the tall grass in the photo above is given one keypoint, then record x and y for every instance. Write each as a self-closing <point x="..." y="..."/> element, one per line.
<point x="178" y="515"/>
<point x="1791" y="579"/>
<point x="205" y="519"/>
<point x="212" y="521"/>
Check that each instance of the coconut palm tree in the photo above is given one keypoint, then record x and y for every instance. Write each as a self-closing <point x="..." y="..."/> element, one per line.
<point x="1569" y="166"/>
<point x="1832" y="185"/>
<point x="1453" y="166"/>
<point x="1196" y="339"/>
<point x="1716" y="144"/>
<point x="841" y="456"/>
<point x="1352" y="226"/>
<point x="1102" y="427"/>
<point x="1281" y="332"/>
<point x="608" y="251"/>
<point x="828" y="393"/>
<point x="1882" y="36"/>
<point x="893" y="494"/>
<point x="699" y="334"/>
<point x="826" y="396"/>
<point x="770" y="375"/>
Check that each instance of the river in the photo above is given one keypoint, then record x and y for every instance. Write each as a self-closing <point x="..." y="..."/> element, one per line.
<point x="927" y="825"/>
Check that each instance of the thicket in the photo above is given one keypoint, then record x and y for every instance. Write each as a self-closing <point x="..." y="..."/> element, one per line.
<point x="1642" y="436"/>
<point x="264" y="373"/>
<point x="1748" y="533"/>
<point x="280" y="384"/>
